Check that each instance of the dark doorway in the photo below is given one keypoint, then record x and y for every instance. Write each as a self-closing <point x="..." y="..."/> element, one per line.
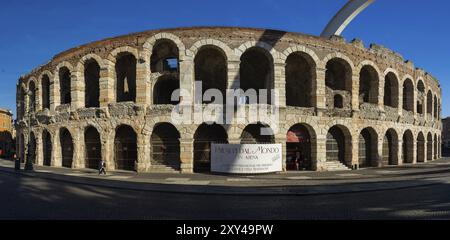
<point x="408" y="147"/>
<point x="203" y="138"/>
<point x="125" y="148"/>
<point x="420" y="148"/>
<point x="390" y="148"/>
<point x="337" y="146"/>
<point x="32" y="149"/>
<point x="211" y="70"/>
<point x="47" y="148"/>
<point x="391" y="90"/>
<point x="256" y="71"/>
<point x="126" y="78"/>
<point x="165" y="144"/>
<point x="300" y="75"/>
<point x="163" y="90"/>
<point x="92" y="84"/>
<point x="93" y="148"/>
<point x="45" y="92"/>
<point x="66" y="148"/>
<point x="65" y="85"/>
<point x="298" y="149"/>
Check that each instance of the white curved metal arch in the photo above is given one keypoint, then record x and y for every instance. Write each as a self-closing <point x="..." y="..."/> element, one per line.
<point x="340" y="21"/>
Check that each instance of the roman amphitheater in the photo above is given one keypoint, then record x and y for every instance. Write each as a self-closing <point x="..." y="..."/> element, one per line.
<point x="342" y="105"/>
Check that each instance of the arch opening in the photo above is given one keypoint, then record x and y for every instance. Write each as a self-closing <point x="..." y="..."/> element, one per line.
<point x="299" y="148"/>
<point x="65" y="85"/>
<point x="203" y="138"/>
<point x="66" y="148"/>
<point x="45" y="82"/>
<point x="32" y="98"/>
<point x="163" y="90"/>
<point x="408" y="147"/>
<point x="165" y="57"/>
<point x="391" y="90"/>
<point x="368" y="148"/>
<point x="420" y="148"/>
<point x="256" y="72"/>
<point x="368" y="85"/>
<point x="339" y="145"/>
<point x="92" y="84"/>
<point x="93" y="148"/>
<point x="212" y="70"/>
<point x="126" y="77"/>
<point x="390" y="148"/>
<point x="408" y="95"/>
<point x="300" y="75"/>
<point x="257" y="134"/>
<point x="47" y="148"/>
<point x="165" y="144"/>
<point x="125" y="148"/>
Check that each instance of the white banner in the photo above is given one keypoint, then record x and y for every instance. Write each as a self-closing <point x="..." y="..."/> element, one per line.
<point x="246" y="158"/>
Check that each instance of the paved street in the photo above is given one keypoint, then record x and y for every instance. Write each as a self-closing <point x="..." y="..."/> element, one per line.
<point x="25" y="197"/>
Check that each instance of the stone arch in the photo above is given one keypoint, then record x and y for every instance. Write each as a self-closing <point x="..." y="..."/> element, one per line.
<point x="390" y="147"/>
<point x="63" y="81"/>
<point x="165" y="57"/>
<point x="93" y="147"/>
<point x="150" y="42"/>
<point x="408" y="147"/>
<point x="408" y="94"/>
<point x="88" y="69"/>
<point x="211" y="68"/>
<point x="204" y="136"/>
<point x="368" y="148"/>
<point x="257" y="133"/>
<point x="391" y="89"/>
<point x="369" y="82"/>
<point x="67" y="147"/>
<point x="125" y="148"/>
<point x="301" y="144"/>
<point x="47" y="147"/>
<point x="239" y="51"/>
<point x="421" y="97"/>
<point x="421" y="156"/>
<point x="257" y="72"/>
<point x="165" y="144"/>
<point x="339" y="145"/>
<point x="301" y="79"/>
<point x="227" y="51"/>
<point x="338" y="79"/>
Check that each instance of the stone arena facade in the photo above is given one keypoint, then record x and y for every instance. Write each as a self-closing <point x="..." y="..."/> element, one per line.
<point x="342" y="105"/>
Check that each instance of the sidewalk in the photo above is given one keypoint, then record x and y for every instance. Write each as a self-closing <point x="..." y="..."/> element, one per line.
<point x="291" y="183"/>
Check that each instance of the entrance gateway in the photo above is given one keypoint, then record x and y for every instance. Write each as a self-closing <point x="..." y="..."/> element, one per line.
<point x="246" y="158"/>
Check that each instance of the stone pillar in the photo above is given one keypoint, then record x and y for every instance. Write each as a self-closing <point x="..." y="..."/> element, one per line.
<point x="400" y="99"/>
<point x="55" y="97"/>
<point x="56" y="151"/>
<point x="282" y="140"/>
<point x="39" y="150"/>
<point x="106" y="84"/>
<point x="415" y="151"/>
<point x="143" y="153"/>
<point x="107" y="141"/>
<point x="187" y="155"/>
<point x="319" y="163"/>
<point x="38" y="102"/>
<point x="77" y="89"/>
<point x="379" y="152"/>
<point x="319" y="89"/>
<point x="143" y="84"/>
<point x="280" y="83"/>
<point x="400" y="152"/>
<point x="78" y="149"/>
<point x="233" y="75"/>
<point x="187" y="77"/>
<point x="425" y="150"/>
<point x="355" y="92"/>
<point x="354" y="151"/>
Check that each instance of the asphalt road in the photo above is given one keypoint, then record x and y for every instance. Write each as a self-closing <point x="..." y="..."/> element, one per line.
<point x="34" y="198"/>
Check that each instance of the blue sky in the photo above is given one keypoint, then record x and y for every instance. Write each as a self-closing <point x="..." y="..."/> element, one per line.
<point x="32" y="32"/>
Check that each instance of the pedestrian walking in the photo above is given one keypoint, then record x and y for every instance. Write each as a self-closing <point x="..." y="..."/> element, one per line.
<point x="102" y="167"/>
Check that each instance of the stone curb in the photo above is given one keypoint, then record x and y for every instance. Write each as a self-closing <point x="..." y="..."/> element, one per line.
<point x="228" y="190"/>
